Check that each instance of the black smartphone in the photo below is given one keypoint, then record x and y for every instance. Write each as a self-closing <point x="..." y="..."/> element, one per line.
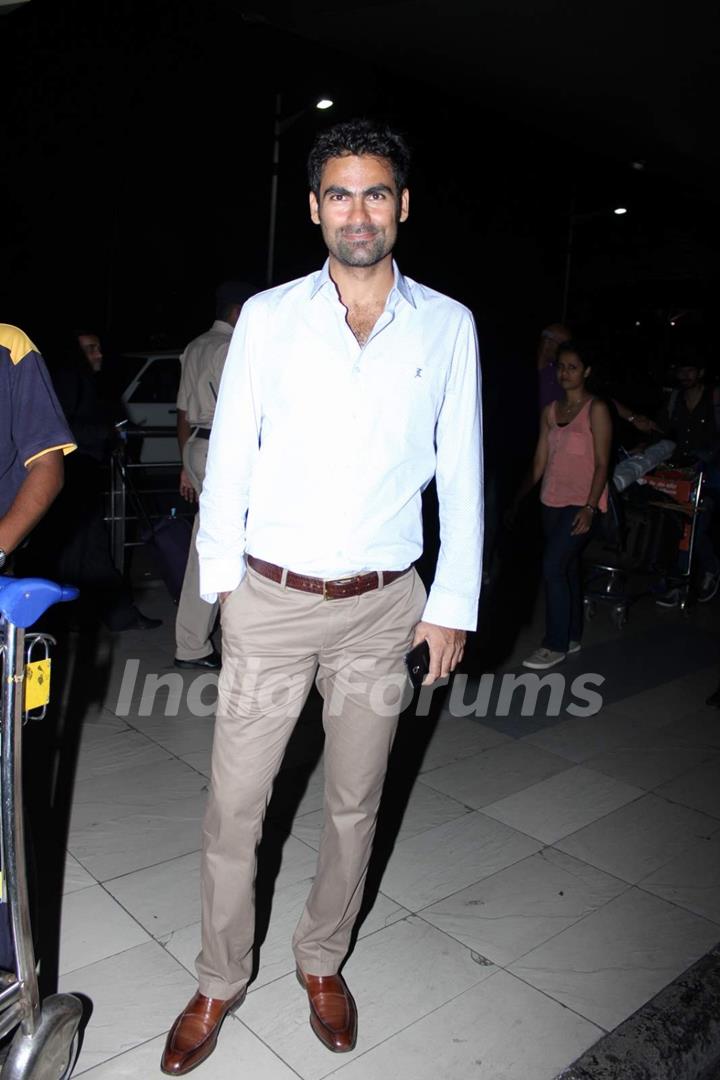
<point x="418" y="663"/>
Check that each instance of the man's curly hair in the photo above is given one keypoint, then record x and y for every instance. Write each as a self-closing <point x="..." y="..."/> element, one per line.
<point x="355" y="138"/>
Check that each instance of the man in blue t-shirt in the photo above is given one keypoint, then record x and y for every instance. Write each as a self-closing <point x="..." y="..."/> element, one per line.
<point x="34" y="436"/>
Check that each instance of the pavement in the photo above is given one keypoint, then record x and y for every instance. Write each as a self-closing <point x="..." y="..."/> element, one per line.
<point x="543" y="870"/>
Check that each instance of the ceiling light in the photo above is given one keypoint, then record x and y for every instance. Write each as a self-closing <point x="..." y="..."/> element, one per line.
<point x="324" y="103"/>
<point x="620" y="210"/>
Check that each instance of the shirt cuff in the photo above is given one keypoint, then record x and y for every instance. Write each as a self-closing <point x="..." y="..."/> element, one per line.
<point x="450" y="610"/>
<point x="220" y="576"/>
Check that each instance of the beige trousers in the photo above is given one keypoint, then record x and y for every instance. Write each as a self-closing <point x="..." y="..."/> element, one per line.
<point x="195" y="618"/>
<point x="275" y="641"/>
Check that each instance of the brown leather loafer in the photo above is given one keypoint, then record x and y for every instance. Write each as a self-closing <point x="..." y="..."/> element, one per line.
<point x="333" y="1013"/>
<point x="193" y="1036"/>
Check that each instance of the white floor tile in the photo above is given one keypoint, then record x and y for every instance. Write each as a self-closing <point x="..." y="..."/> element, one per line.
<point x="239" y="1055"/>
<point x="664" y="704"/>
<point x="501" y="1029"/>
<point x="650" y="760"/>
<point x="199" y="760"/>
<point x="94" y="927"/>
<point x="119" y="847"/>
<point x="133" y="818"/>
<point x="691" y="879"/>
<point x="514" y="911"/>
<point x="607" y="965"/>
<point x="184" y="945"/>
<point x="700" y="727"/>
<point x="444" y="860"/>
<point x="456" y="738"/>
<point x="699" y="788"/>
<point x="396" y="976"/>
<point x="181" y="735"/>
<point x="637" y="839"/>
<point x="127" y="792"/>
<point x="495" y="773"/>
<point x="99" y="723"/>
<point x="135" y="996"/>
<point x="164" y="897"/>
<point x="426" y="809"/>
<point x="76" y="876"/>
<point x="564" y="803"/>
<point x="124" y="750"/>
<point x="584" y="737"/>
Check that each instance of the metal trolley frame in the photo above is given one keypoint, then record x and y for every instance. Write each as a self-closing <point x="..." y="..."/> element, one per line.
<point x="45" y="1044"/>
<point x="607" y="581"/>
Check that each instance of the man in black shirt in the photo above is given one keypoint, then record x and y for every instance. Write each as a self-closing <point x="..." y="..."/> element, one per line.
<point x="691" y="418"/>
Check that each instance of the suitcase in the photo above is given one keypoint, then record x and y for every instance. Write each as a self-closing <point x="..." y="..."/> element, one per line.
<point x="169" y="542"/>
<point x="168" y="539"/>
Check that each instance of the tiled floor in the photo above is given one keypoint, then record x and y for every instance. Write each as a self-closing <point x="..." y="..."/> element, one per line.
<point x="542" y="881"/>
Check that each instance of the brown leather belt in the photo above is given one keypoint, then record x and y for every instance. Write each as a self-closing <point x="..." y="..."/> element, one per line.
<point x="339" y="589"/>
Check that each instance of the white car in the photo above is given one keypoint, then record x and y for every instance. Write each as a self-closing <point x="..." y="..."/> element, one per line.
<point x="151" y="381"/>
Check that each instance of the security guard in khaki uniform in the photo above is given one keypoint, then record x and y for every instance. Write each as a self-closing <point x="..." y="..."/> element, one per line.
<point x="202" y="365"/>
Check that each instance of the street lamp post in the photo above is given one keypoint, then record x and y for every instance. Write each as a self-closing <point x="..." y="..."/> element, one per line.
<point x="280" y="125"/>
<point x="573" y="220"/>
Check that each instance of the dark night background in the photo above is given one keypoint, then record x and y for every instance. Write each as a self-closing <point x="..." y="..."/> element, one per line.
<point x="137" y="143"/>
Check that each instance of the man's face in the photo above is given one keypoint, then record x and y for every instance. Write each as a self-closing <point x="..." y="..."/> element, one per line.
<point x="550" y="340"/>
<point x="359" y="209"/>
<point x="689" y="376"/>
<point x="90" y="346"/>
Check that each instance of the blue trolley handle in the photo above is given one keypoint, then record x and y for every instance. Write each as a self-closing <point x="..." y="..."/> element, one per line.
<point x="22" y="602"/>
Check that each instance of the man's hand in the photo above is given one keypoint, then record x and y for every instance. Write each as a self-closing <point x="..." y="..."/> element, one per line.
<point x="446" y="648"/>
<point x="186" y="489"/>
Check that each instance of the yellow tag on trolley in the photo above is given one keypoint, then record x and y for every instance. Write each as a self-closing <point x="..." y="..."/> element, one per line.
<point x="37" y="684"/>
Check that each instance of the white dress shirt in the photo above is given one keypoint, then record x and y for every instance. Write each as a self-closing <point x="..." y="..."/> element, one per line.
<point x="202" y="366"/>
<point x="321" y="448"/>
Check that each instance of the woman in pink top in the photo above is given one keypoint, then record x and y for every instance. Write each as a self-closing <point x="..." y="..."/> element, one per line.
<point x="572" y="459"/>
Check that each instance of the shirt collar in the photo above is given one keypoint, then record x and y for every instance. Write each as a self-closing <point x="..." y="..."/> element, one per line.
<point x="400" y="286"/>
<point x="222" y="326"/>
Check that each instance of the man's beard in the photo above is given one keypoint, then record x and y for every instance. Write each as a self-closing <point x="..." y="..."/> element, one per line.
<point x="366" y="253"/>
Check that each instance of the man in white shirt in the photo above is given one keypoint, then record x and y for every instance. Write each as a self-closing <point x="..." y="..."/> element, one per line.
<point x="202" y="366"/>
<point x="344" y="392"/>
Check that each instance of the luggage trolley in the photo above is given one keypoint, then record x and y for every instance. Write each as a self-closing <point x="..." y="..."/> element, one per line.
<point x="636" y="548"/>
<point x="45" y="1045"/>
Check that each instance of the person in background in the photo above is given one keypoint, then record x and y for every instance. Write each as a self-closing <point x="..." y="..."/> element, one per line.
<point x="34" y="437"/>
<point x="571" y="458"/>
<point x="551" y="338"/>
<point x="202" y="366"/>
<point x="549" y="387"/>
<point x="691" y="418"/>
<point x="344" y="392"/>
<point x="73" y="542"/>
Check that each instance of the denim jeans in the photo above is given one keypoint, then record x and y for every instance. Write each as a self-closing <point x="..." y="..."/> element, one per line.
<point x="562" y="576"/>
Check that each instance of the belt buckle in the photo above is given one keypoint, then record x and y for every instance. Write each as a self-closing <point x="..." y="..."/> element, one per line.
<point x="336" y="581"/>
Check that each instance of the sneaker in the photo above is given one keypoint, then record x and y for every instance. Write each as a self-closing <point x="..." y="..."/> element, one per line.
<point x="574" y="646"/>
<point x="670" y="599"/>
<point x="543" y="658"/>
<point x="708" y="587"/>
